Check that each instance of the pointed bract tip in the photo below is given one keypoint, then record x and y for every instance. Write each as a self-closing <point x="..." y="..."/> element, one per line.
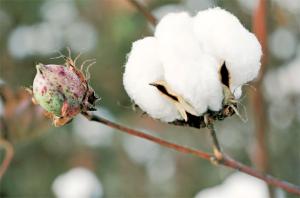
<point x="40" y="67"/>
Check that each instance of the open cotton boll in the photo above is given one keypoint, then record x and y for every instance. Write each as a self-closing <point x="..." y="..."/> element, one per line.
<point x="142" y="68"/>
<point x="184" y="63"/>
<point x="222" y="35"/>
<point x="188" y="70"/>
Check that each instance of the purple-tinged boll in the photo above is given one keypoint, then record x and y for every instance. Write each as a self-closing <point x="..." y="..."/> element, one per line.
<point x="63" y="91"/>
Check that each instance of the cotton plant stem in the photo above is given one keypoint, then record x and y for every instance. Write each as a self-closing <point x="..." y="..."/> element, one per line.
<point x="216" y="146"/>
<point x="151" y="138"/>
<point x="147" y="14"/>
<point x="9" y="153"/>
<point x="226" y="160"/>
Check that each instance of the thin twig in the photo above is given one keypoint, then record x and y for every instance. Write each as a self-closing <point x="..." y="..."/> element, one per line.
<point x="226" y="160"/>
<point x="137" y="133"/>
<point x="260" y="154"/>
<point x="259" y="28"/>
<point x="9" y="153"/>
<point x="147" y="14"/>
<point x="209" y="123"/>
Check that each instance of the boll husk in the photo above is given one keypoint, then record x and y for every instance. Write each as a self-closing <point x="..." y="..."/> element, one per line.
<point x="204" y="60"/>
<point x="63" y="91"/>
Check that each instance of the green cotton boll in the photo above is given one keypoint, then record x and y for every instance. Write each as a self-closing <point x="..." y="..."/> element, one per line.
<point x="59" y="89"/>
<point x="51" y="101"/>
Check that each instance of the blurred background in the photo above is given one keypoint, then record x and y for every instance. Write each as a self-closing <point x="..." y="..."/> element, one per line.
<point x="84" y="159"/>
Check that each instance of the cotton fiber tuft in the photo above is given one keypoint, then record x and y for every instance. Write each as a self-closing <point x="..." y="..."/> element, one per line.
<point x="185" y="67"/>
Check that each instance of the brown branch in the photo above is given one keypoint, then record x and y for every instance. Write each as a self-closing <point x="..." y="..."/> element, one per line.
<point x="147" y="14"/>
<point x="259" y="28"/>
<point x="147" y="136"/>
<point x="226" y="160"/>
<point x="9" y="153"/>
<point x="260" y="154"/>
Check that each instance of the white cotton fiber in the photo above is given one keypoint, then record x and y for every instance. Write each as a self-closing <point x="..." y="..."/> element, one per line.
<point x="142" y="68"/>
<point x="187" y="53"/>
<point x="188" y="70"/>
<point x="237" y="93"/>
<point x="222" y="35"/>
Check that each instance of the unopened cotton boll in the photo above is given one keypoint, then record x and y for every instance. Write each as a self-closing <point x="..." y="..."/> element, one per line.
<point x="222" y="35"/>
<point x="142" y="68"/>
<point x="62" y="91"/>
<point x="190" y="71"/>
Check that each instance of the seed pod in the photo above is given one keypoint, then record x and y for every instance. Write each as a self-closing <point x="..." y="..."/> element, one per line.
<point x="63" y="91"/>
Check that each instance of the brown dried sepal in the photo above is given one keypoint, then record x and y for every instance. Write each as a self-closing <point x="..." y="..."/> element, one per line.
<point x="199" y="121"/>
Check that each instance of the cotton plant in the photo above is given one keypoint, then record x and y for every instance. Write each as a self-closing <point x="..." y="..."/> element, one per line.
<point x="192" y="70"/>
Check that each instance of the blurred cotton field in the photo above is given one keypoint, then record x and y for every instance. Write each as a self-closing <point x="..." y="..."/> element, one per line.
<point x="237" y="185"/>
<point x="77" y="182"/>
<point x="87" y="159"/>
<point x="61" y="26"/>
